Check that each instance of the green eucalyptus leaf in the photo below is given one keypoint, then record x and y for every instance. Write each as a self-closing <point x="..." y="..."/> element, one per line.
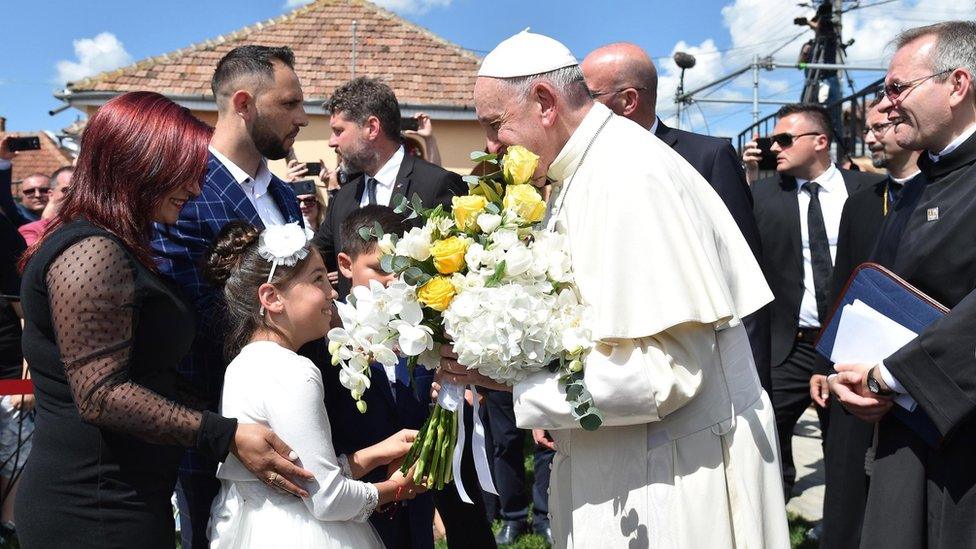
<point x="401" y="263"/>
<point x="386" y="263"/>
<point x="493" y="208"/>
<point x="416" y="203"/>
<point x="379" y="230"/>
<point x="471" y="180"/>
<point x="364" y="233"/>
<point x="592" y="420"/>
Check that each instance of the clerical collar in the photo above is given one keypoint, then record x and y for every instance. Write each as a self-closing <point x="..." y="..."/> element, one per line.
<point x="565" y="163"/>
<point x="955" y="143"/>
<point x="657" y="122"/>
<point x="903" y="180"/>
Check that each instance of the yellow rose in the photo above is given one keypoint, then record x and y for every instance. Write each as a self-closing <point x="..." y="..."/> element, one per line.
<point x="437" y="293"/>
<point x="448" y="254"/>
<point x="466" y="210"/>
<point x="525" y="201"/>
<point x="519" y="164"/>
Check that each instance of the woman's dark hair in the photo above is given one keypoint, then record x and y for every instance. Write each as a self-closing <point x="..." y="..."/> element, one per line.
<point x="136" y="150"/>
<point x="235" y="264"/>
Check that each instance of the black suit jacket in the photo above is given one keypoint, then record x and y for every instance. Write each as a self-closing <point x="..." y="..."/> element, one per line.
<point x="433" y="184"/>
<point x="778" y="218"/>
<point x="715" y="159"/>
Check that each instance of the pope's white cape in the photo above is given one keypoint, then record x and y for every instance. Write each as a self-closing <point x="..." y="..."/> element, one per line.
<point x="687" y="456"/>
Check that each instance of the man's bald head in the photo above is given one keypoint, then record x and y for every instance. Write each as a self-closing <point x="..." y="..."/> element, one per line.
<point x="623" y="77"/>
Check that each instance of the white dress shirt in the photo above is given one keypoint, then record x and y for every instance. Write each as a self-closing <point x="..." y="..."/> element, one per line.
<point x="833" y="194"/>
<point x="385" y="179"/>
<point x="256" y="189"/>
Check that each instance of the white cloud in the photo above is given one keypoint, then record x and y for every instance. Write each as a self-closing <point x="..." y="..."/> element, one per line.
<point x="399" y="6"/>
<point x="102" y="53"/>
<point x="761" y="26"/>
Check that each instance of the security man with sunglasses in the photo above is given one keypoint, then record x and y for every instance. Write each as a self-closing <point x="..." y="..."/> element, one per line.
<point x="798" y="213"/>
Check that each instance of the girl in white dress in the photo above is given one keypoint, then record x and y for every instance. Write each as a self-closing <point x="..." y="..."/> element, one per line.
<point x="279" y="298"/>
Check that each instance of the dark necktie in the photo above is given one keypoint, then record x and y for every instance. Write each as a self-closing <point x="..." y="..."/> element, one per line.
<point x="370" y="190"/>
<point x="819" y="249"/>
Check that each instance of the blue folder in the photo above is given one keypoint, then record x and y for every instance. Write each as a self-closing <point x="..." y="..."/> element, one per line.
<point x="891" y="296"/>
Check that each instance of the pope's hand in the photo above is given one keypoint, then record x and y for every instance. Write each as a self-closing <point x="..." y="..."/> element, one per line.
<point x="850" y="388"/>
<point x="453" y="372"/>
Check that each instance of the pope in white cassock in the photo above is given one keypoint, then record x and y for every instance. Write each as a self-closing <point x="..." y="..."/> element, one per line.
<point x="687" y="456"/>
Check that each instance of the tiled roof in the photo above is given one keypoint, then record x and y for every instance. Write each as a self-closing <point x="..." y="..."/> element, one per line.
<point x="422" y="68"/>
<point x="49" y="158"/>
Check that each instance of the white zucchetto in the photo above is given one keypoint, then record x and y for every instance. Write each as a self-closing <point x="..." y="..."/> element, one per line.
<point x="526" y="54"/>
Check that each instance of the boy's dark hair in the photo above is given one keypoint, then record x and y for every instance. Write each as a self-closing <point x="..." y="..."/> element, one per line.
<point x="814" y="112"/>
<point x="353" y="244"/>
<point x="363" y="97"/>
<point x="245" y="61"/>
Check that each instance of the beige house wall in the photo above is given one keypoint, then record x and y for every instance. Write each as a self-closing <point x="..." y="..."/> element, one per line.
<point x="455" y="139"/>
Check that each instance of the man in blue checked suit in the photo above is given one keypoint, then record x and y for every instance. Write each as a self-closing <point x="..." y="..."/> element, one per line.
<point x="260" y="111"/>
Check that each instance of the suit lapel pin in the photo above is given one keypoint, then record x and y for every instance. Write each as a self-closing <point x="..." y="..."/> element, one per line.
<point x="932" y="214"/>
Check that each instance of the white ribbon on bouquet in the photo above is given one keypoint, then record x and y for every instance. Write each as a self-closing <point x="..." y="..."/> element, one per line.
<point x="451" y="398"/>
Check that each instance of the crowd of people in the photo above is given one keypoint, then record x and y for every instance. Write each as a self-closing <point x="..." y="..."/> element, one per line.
<point x="175" y="335"/>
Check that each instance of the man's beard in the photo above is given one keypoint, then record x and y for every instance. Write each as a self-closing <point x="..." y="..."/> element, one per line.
<point x="266" y="142"/>
<point x="879" y="159"/>
<point x="358" y="160"/>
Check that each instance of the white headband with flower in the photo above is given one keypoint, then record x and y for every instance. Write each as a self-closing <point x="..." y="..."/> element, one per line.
<point x="283" y="245"/>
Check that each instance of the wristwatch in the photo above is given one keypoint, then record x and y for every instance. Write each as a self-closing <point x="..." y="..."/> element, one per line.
<point x="874" y="386"/>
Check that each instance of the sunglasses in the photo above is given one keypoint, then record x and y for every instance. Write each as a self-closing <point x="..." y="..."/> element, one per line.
<point x="310" y="201"/>
<point x="785" y="140"/>
<point x="895" y="90"/>
<point x="38" y="191"/>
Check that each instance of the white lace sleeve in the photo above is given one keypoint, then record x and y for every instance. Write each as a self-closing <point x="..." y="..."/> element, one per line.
<point x="372" y="500"/>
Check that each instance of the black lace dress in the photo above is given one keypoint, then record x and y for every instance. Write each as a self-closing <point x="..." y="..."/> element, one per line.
<point x="103" y="336"/>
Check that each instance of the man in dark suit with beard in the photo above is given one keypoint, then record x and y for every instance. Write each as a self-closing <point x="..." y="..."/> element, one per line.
<point x="365" y="121"/>
<point x="798" y="213"/>
<point x="848" y="439"/>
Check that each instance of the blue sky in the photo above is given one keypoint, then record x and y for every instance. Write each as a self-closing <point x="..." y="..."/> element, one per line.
<point x="46" y="41"/>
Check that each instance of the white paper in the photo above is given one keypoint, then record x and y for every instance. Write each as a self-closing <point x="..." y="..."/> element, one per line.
<point x="865" y="336"/>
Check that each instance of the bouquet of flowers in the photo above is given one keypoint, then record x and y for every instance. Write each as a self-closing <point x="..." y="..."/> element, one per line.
<point x="483" y="279"/>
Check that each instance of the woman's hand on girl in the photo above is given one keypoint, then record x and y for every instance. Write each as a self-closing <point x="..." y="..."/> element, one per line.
<point x="269" y="458"/>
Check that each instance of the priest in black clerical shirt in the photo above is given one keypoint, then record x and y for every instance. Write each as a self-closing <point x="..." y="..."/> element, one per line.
<point x="847" y="441"/>
<point x="922" y="496"/>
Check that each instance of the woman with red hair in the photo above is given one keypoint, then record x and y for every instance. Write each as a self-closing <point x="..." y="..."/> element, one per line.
<point x="103" y="335"/>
